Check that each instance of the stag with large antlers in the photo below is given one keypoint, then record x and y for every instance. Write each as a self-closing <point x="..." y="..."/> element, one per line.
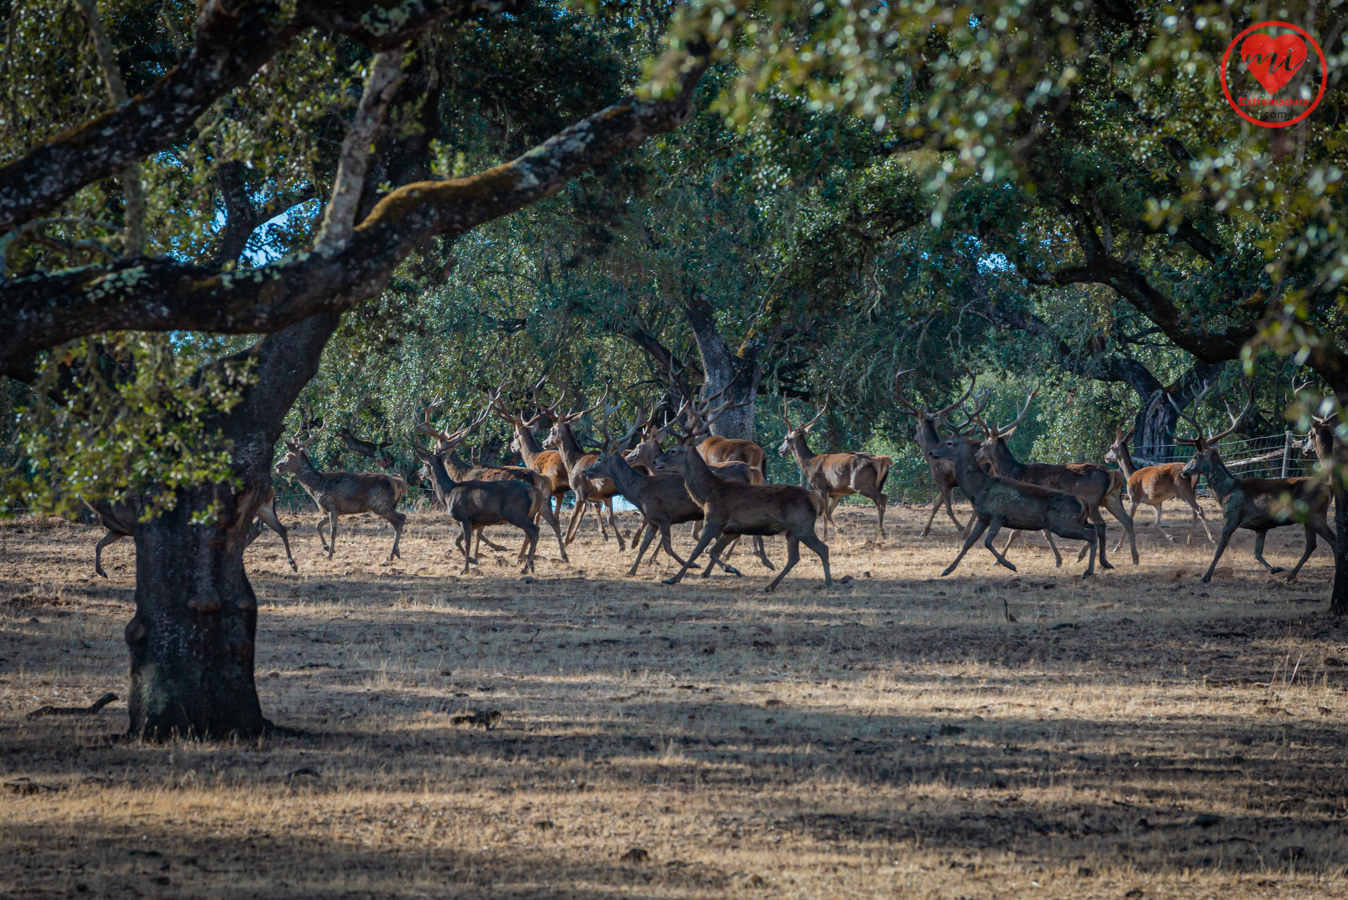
<point x="1154" y="485"/>
<point x="714" y="449"/>
<point x="459" y="471"/>
<point x="1000" y="501"/>
<point x="562" y="439"/>
<point x="478" y="504"/>
<point x="837" y="475"/>
<point x="1095" y="483"/>
<point x="120" y="521"/>
<point x="344" y="494"/>
<point x="1256" y="504"/>
<point x="546" y="462"/>
<point x="927" y="437"/>
<point x="731" y="509"/>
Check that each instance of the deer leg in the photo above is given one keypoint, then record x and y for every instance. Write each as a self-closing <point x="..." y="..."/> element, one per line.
<point x="578" y="513"/>
<point x="1320" y="524"/>
<point x="881" y="501"/>
<point x="1114" y="503"/>
<point x="467" y="526"/>
<point x="1259" y="549"/>
<point x="714" y="554"/>
<point x="1092" y="536"/>
<point x="1200" y="517"/>
<point x="646" y="542"/>
<point x="397" y="524"/>
<point x="332" y="533"/>
<point x="531" y="533"/>
<point x="1227" y="531"/>
<point x="980" y="524"/>
<point x="1310" y="548"/>
<point x="993" y="527"/>
<point x="730" y="548"/>
<point x="322" y="521"/>
<point x="109" y="538"/>
<point x="1015" y="534"/>
<point x="709" y="533"/>
<point x="935" y="508"/>
<point x="821" y="550"/>
<point x="761" y="551"/>
<point x="551" y="518"/>
<point x="267" y="512"/>
<point x="1098" y="519"/>
<point x="612" y="520"/>
<point x="792" y="557"/>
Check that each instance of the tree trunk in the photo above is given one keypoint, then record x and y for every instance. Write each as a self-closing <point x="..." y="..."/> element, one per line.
<point x="1338" y="604"/>
<point x="192" y="637"/>
<point x="1154" y="429"/>
<point x="721" y="367"/>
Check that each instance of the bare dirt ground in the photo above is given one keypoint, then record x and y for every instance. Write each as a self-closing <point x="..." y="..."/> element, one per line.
<point x="1138" y="735"/>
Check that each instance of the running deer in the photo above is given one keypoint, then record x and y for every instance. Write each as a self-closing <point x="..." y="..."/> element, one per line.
<point x="732" y="508"/>
<point x="534" y="454"/>
<point x="1154" y="485"/>
<point x="478" y="504"/>
<point x="120" y="521"/>
<point x="1095" y="483"/>
<point x="448" y="441"/>
<point x="562" y="439"/>
<point x="661" y="498"/>
<point x="836" y="475"/>
<point x="1000" y="501"/>
<point x="344" y="494"/>
<point x="927" y="437"/>
<point x="715" y="450"/>
<point x="1256" y="504"/>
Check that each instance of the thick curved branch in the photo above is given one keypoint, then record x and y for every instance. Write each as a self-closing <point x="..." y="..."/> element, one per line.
<point x="232" y="42"/>
<point x="42" y="311"/>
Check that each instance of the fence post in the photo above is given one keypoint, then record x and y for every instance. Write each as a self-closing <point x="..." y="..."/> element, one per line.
<point x="1286" y="451"/>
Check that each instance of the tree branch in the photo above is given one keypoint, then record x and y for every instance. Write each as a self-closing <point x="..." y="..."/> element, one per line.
<point x="233" y="40"/>
<point x="163" y="294"/>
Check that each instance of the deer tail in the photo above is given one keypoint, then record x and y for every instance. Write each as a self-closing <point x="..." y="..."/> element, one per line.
<point x="883" y="463"/>
<point x="399" y="487"/>
<point x="818" y="500"/>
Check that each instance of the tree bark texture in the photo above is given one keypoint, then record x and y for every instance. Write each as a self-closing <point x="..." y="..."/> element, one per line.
<point x="722" y="367"/>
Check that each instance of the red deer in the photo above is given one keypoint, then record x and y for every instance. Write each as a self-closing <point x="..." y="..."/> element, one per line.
<point x="732" y="508"/>
<point x="477" y="504"/>
<point x="120" y="521"/>
<point x="459" y="471"/>
<point x="1000" y="501"/>
<point x="1154" y="485"/>
<point x="563" y="440"/>
<point x="837" y="475"/>
<point x="1257" y="504"/>
<point x="942" y="472"/>
<point x="345" y="493"/>
<point x="1095" y="483"/>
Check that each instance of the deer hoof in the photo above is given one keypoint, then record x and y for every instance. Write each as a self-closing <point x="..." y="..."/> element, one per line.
<point x="1274" y="570"/>
<point x="731" y="570"/>
<point x="1105" y="565"/>
<point x="670" y="581"/>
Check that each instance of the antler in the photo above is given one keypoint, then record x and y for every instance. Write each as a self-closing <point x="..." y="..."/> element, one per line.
<point x="970" y="416"/>
<point x="1198" y="442"/>
<point x="448" y="440"/>
<point x="960" y="402"/>
<point x="907" y="404"/>
<point x="1238" y="422"/>
<point x="1005" y="430"/>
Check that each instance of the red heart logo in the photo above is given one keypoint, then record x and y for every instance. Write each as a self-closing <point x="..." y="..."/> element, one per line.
<point x="1273" y="60"/>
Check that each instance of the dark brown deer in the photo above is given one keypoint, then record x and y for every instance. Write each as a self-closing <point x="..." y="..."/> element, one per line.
<point x="732" y="508"/>
<point x="459" y="471"/>
<point x="478" y="504"/>
<point x="368" y="449"/>
<point x="1000" y="501"/>
<point x="837" y="475"/>
<point x="120" y="521"/>
<point x="562" y="439"/>
<point x="642" y="457"/>
<point x="1256" y="504"/>
<point x="1154" y="485"/>
<point x="1095" y="483"/>
<point x="927" y="437"/>
<point x="344" y="494"/>
<point x="534" y="454"/>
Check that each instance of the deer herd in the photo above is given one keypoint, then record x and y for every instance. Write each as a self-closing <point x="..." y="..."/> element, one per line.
<point x="720" y="486"/>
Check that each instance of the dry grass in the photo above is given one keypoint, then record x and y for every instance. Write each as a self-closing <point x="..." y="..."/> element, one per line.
<point x="893" y="736"/>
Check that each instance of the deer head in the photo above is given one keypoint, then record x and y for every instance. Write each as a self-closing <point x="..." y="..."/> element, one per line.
<point x="794" y="433"/>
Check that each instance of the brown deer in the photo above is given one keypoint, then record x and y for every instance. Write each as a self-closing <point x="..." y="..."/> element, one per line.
<point x="534" y="454"/>
<point x="368" y="449"/>
<point x="1000" y="501"/>
<point x="344" y="494"/>
<point x="1095" y="483"/>
<point x="927" y="437"/>
<point x="837" y="475"/>
<point x="562" y="439"/>
<point x="1154" y="485"/>
<point x="732" y="508"/>
<point x="448" y="441"/>
<point x="1256" y="504"/>
<point x="478" y="504"/>
<point x="120" y="521"/>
